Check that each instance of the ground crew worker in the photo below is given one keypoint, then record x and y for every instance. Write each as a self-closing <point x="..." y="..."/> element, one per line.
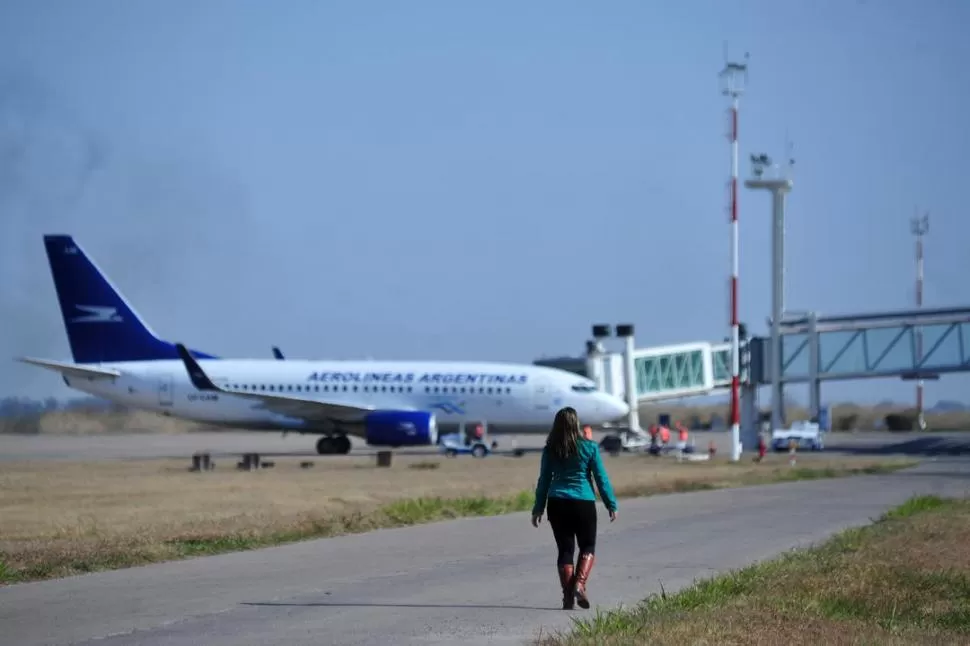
<point x="664" y="435"/>
<point x="681" y="437"/>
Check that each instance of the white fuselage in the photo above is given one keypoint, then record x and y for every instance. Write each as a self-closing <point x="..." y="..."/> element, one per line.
<point x="456" y="392"/>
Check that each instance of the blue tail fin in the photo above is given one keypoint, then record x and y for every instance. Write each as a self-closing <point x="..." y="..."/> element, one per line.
<point x="101" y="326"/>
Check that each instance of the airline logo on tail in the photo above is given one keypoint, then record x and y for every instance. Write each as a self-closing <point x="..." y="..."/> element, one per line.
<point x="97" y="314"/>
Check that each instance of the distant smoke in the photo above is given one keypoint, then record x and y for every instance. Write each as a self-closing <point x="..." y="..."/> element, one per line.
<point x="136" y="217"/>
<point x="45" y="163"/>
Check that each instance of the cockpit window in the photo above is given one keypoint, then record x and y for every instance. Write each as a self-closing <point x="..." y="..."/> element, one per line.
<point x="584" y="388"/>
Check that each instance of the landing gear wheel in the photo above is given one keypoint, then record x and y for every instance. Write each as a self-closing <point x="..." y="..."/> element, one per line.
<point x="341" y="445"/>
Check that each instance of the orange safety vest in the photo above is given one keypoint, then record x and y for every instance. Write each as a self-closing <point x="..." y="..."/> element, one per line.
<point x="664" y="434"/>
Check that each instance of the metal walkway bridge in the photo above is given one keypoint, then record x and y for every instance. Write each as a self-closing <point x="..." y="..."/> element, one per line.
<point x="668" y="372"/>
<point x="663" y="372"/>
<point x="909" y="344"/>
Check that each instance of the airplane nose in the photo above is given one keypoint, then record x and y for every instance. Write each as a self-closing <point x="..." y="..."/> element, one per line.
<point x="622" y="408"/>
<point x="614" y="407"/>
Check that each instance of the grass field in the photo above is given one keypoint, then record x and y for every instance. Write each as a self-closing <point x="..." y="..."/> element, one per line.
<point x="58" y="519"/>
<point x="903" y="580"/>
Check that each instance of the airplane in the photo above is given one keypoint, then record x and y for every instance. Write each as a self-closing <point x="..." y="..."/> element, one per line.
<point x="116" y="356"/>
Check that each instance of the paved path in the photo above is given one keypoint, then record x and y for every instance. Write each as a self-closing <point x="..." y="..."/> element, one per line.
<point x="473" y="581"/>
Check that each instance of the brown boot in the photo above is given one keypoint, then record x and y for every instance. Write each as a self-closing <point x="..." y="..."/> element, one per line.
<point x="583" y="568"/>
<point x="566" y="581"/>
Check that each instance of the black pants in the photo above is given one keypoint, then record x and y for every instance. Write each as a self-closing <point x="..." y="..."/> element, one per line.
<point x="573" y="522"/>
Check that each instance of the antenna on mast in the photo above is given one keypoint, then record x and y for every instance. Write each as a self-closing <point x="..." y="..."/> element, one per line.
<point x="789" y="155"/>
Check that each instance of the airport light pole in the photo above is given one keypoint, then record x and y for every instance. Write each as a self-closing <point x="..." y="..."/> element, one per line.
<point x="779" y="187"/>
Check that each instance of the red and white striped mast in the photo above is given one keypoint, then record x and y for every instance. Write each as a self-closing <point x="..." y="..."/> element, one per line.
<point x="733" y="78"/>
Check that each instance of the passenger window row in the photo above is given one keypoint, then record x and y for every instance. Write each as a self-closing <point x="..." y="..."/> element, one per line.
<point x="482" y="390"/>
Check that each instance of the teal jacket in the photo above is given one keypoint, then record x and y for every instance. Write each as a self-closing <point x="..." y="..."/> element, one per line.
<point x="570" y="478"/>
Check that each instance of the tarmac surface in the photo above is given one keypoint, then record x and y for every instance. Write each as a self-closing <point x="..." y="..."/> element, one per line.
<point x="470" y="581"/>
<point x="183" y="445"/>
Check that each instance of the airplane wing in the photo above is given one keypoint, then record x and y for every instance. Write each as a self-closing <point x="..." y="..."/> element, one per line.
<point x="72" y="369"/>
<point x="310" y="409"/>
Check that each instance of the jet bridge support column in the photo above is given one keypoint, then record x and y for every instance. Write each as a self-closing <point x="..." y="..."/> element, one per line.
<point x="814" y="383"/>
<point x="595" y="368"/>
<point x="594" y="364"/>
<point x="779" y="186"/>
<point x="750" y="417"/>
<point x="754" y="369"/>
<point x="633" y="417"/>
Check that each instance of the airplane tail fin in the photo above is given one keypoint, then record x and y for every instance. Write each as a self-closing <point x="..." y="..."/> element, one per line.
<point x="101" y="326"/>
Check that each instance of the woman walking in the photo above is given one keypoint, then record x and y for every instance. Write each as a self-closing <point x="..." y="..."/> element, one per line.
<point x="565" y="491"/>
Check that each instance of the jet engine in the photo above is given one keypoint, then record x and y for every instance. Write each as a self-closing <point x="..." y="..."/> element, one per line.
<point x="395" y="428"/>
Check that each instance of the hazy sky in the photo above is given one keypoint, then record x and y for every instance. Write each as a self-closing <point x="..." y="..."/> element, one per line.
<point x="458" y="180"/>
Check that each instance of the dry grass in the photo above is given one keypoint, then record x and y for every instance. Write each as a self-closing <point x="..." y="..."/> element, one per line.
<point x="904" y="580"/>
<point x="81" y="422"/>
<point x="62" y="518"/>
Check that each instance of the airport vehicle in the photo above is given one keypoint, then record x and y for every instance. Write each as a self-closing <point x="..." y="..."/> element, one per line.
<point x="625" y="439"/>
<point x="455" y="444"/>
<point x="807" y="435"/>
<point x="116" y="356"/>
